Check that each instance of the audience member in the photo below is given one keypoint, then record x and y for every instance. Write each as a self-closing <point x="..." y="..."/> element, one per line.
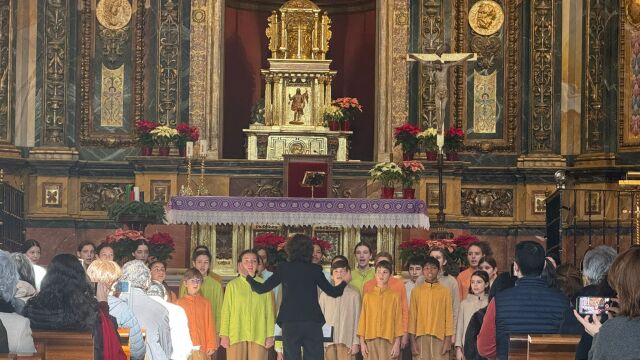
<point x="86" y="253"/>
<point x="25" y="288"/>
<point x="248" y="320"/>
<point x="363" y="272"/>
<point x="299" y="315"/>
<point x="549" y="271"/>
<point x="142" y="251"/>
<point x="379" y="330"/>
<point x="477" y="299"/>
<point x="202" y="327"/>
<point x="475" y="252"/>
<point x="32" y="249"/>
<point x="397" y="285"/>
<point x="159" y="274"/>
<point x="66" y="302"/>
<point x="107" y="273"/>
<point x="517" y="310"/>
<point x="210" y="289"/>
<point x="489" y="265"/>
<point x="18" y="337"/>
<point x="595" y="265"/>
<point x="178" y="323"/>
<point x="431" y="315"/>
<point x="4" y="339"/>
<point x="152" y="317"/>
<point x="343" y="314"/>
<point x="619" y="337"/>
<point x="568" y="281"/>
<point x="104" y="252"/>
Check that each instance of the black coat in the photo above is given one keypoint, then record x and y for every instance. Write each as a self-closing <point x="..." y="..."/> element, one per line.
<point x="300" y="281"/>
<point x="586" y="340"/>
<point x="471" y="335"/>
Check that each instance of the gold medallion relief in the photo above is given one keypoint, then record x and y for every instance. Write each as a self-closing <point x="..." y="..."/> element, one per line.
<point x="486" y="17"/>
<point x="113" y="14"/>
<point x="632" y="8"/>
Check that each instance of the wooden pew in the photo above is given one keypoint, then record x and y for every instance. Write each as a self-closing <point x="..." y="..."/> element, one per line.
<point x="543" y="346"/>
<point x="63" y="345"/>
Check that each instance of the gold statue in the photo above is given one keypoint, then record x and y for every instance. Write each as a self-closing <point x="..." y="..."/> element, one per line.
<point x="298" y="102"/>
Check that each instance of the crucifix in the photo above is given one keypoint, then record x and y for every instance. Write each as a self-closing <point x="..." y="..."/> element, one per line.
<point x="437" y="82"/>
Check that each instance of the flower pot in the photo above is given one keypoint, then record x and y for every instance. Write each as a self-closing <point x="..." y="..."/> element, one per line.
<point x="408" y="155"/>
<point x="146" y="151"/>
<point x="163" y="151"/>
<point x="432" y="155"/>
<point x="408" y="193"/>
<point x="334" y="125"/>
<point x="182" y="151"/>
<point x="452" y="156"/>
<point x="387" y="192"/>
<point x="346" y="125"/>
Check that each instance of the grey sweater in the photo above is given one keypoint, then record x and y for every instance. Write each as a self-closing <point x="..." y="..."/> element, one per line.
<point x="618" y="339"/>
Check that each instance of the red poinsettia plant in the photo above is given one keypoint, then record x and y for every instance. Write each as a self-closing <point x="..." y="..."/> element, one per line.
<point x="274" y="245"/>
<point x="186" y="133"/>
<point x="123" y="243"/>
<point x="324" y="245"/>
<point x="143" y="132"/>
<point x="161" y="246"/>
<point x="406" y="137"/>
<point x="451" y="248"/>
<point x="454" y="139"/>
<point x="349" y="107"/>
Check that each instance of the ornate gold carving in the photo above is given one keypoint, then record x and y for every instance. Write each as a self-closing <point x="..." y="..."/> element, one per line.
<point x="113" y="14"/>
<point x="339" y="191"/>
<point x="629" y="79"/>
<point x="399" y="47"/>
<point x="632" y="10"/>
<point x="488" y="49"/>
<point x="88" y="136"/>
<point x="487" y="202"/>
<point x="99" y="196"/>
<point x="431" y="40"/>
<point x="169" y="62"/>
<point x="542" y="71"/>
<point x="113" y="42"/>
<point x="198" y="64"/>
<point x="112" y="97"/>
<point x="596" y="19"/>
<point x="459" y="101"/>
<point x="56" y="18"/>
<point x="6" y="69"/>
<point x="485" y="103"/>
<point x="264" y="188"/>
<point x="486" y="17"/>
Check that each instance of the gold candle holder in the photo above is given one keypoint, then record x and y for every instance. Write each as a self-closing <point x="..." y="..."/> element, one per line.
<point x="186" y="190"/>
<point x="202" y="190"/>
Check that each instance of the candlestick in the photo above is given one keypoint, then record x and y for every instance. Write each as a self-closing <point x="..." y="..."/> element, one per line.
<point x="186" y="190"/>
<point x="189" y="149"/>
<point x="203" y="148"/>
<point x="202" y="190"/>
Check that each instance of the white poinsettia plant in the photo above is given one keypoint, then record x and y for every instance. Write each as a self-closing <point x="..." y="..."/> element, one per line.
<point x="388" y="173"/>
<point x="427" y="139"/>
<point x="164" y="135"/>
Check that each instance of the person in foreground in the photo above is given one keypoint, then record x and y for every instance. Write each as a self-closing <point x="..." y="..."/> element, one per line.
<point x="19" y="333"/>
<point x="531" y="307"/>
<point x="619" y="337"/>
<point x="300" y="316"/>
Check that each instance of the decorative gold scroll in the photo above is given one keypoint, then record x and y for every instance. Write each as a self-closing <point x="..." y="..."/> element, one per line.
<point x="112" y="97"/>
<point x="484" y="103"/>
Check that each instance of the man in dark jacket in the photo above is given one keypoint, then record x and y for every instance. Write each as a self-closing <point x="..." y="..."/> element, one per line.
<point x="531" y="307"/>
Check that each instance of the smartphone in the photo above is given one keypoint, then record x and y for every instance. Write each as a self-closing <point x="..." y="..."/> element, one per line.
<point x="122" y="287"/>
<point x="589" y="305"/>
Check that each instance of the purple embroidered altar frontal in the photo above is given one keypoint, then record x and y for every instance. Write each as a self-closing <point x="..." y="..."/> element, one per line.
<point x="297" y="211"/>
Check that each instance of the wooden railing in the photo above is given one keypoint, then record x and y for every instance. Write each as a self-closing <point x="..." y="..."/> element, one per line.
<point x="543" y="347"/>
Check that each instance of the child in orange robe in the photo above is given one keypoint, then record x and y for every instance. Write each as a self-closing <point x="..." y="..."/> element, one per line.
<point x="201" y="323"/>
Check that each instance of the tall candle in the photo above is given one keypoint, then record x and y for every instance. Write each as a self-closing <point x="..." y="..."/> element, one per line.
<point x="189" y="149"/>
<point x="136" y="193"/>
<point x="203" y="148"/>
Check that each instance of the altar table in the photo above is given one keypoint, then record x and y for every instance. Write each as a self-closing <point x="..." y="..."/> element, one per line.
<point x="342" y="212"/>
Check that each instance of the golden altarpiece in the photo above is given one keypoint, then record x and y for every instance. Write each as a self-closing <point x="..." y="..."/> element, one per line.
<point x="297" y="87"/>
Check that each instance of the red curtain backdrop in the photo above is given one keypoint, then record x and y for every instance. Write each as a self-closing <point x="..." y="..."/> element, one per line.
<point x="352" y="50"/>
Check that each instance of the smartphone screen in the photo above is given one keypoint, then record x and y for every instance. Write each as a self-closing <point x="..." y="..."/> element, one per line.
<point x="122" y="287"/>
<point x="588" y="305"/>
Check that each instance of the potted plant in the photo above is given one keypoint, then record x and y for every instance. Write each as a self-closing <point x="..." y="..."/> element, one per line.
<point x="123" y="243"/>
<point x="185" y="133"/>
<point x="161" y="246"/>
<point x="387" y="173"/>
<point x="453" y="142"/>
<point x="163" y="136"/>
<point x="143" y="135"/>
<point x="411" y="171"/>
<point x="331" y="115"/>
<point x="349" y="107"/>
<point x="427" y="143"/>
<point x="407" y="137"/>
<point x="411" y="248"/>
<point x="136" y="214"/>
<point x="274" y="245"/>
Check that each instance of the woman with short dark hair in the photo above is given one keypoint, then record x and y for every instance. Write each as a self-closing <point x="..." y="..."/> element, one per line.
<point x="619" y="337"/>
<point x="31" y="248"/>
<point x="300" y="316"/>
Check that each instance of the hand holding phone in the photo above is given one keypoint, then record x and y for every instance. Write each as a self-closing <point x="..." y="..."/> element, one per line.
<point x="591" y="305"/>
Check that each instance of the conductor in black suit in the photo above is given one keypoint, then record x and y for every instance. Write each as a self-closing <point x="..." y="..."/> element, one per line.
<point x="300" y="316"/>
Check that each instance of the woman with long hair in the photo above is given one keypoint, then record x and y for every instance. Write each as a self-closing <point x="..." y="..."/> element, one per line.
<point x="300" y="316"/>
<point x="32" y="250"/>
<point x="66" y="302"/>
